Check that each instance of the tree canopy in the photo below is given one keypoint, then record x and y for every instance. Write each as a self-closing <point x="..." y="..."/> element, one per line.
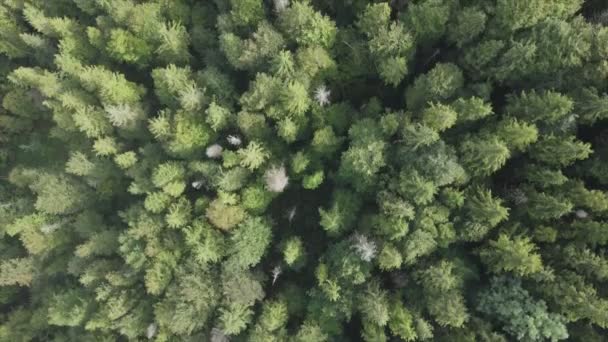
<point x="303" y="170"/>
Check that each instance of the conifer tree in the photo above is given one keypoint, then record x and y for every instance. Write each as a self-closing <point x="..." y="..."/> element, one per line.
<point x="524" y="317"/>
<point x="517" y="255"/>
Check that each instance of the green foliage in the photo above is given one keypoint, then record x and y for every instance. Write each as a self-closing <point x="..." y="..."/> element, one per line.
<point x="518" y="255"/>
<point x="418" y="135"/>
<point x="233" y="179"/>
<point x="12" y="45"/>
<point x="389" y="258"/>
<point x="156" y="202"/>
<point x="313" y="181"/>
<point x="483" y="157"/>
<point x="340" y="216"/>
<point x="254" y="52"/>
<point x="249" y="243"/>
<point x="546" y="106"/>
<point x="223" y="215"/>
<point x="442" y="289"/>
<point x="428" y="19"/>
<point x="174" y="41"/>
<point x="522" y="316"/>
<point x="253" y="156"/>
<point x="484" y="208"/>
<point x="484" y="212"/>
<point x="415" y="188"/>
<point x="560" y="151"/>
<point x="256" y="198"/>
<point x="235" y="319"/>
<point x="439" y="84"/>
<point x="59" y="194"/>
<point x="310" y="332"/>
<point x="576" y="299"/>
<point x="105" y="146"/>
<point x="126" y="160"/>
<point x="178" y="214"/>
<point x="294" y="98"/>
<point x="439" y="117"/>
<point x="274" y="316"/>
<point x="471" y="109"/>
<point x="246" y="12"/>
<point x="189" y="303"/>
<point x="169" y="177"/>
<point x="468" y="25"/>
<point x="517" y="135"/>
<point x="303" y="170"/>
<point x="372" y="332"/>
<point x="591" y="105"/>
<point x="218" y="117"/>
<point x="206" y="243"/>
<point x="365" y="157"/>
<point x="389" y="42"/>
<point x="374" y="305"/>
<point x="544" y="206"/>
<point x="126" y="47"/>
<point x="17" y="271"/>
<point x="68" y="309"/>
<point x="305" y="26"/>
<point x="401" y="322"/>
<point x="294" y="252"/>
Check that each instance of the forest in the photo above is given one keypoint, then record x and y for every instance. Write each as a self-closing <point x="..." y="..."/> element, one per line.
<point x="303" y="170"/>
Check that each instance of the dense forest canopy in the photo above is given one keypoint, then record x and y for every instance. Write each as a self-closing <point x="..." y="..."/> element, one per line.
<point x="303" y="170"/>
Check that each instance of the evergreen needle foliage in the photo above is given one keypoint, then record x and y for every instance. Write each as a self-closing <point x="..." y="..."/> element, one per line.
<point x="303" y="170"/>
